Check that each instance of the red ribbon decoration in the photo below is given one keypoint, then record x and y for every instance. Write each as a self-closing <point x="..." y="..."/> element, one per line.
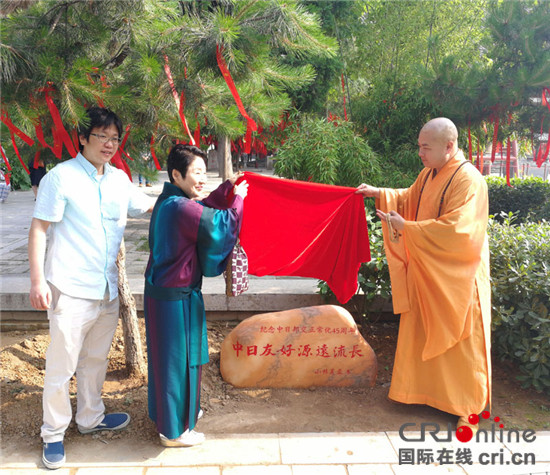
<point x="153" y="154"/>
<point x="118" y="162"/>
<point x="542" y="156"/>
<point x="344" y="95"/>
<point x="251" y="124"/>
<point x="62" y="134"/>
<point x="545" y="101"/>
<point x="57" y="143"/>
<point x="495" y="135"/>
<point x="469" y="143"/>
<point x="197" y="136"/>
<point x="13" y="132"/>
<point x="123" y="143"/>
<point x="479" y="159"/>
<point x="508" y="163"/>
<point x="36" y="158"/>
<point x="6" y="161"/>
<point x="117" y="159"/>
<point x="179" y="102"/>
<point x="40" y="137"/>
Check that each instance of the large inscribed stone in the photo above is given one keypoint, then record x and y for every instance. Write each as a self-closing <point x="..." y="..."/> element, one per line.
<point x="298" y="348"/>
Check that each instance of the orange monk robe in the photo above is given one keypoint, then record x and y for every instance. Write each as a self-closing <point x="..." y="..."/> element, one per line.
<point x="439" y="273"/>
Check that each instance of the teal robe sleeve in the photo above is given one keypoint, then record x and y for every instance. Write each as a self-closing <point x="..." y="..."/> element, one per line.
<point x="217" y="235"/>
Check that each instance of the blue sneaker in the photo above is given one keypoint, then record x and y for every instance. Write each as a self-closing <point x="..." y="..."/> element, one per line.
<point x="115" y="421"/>
<point x="53" y="455"/>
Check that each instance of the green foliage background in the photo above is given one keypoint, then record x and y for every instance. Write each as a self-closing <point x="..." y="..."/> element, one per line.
<point x="528" y="198"/>
<point x="326" y="151"/>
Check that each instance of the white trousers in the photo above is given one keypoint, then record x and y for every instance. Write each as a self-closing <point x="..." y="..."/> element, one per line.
<point x="81" y="332"/>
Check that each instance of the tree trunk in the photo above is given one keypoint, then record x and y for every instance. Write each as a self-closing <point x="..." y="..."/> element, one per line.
<point x="224" y="157"/>
<point x="135" y="362"/>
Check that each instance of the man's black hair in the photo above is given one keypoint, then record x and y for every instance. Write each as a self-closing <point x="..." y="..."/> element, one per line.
<point x="180" y="157"/>
<point x="101" y="118"/>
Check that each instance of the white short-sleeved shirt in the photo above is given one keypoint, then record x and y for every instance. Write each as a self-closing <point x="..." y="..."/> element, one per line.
<point x="88" y="215"/>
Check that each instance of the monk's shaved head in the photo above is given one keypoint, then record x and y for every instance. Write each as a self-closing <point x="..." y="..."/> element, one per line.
<point x="437" y="142"/>
<point x="443" y="128"/>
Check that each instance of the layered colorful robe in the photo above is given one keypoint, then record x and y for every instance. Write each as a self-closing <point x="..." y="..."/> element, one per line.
<point x="439" y="272"/>
<point x="187" y="240"/>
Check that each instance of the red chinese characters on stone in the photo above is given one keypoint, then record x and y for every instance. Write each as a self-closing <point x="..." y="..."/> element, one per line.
<point x="302" y="351"/>
<point x="306" y="347"/>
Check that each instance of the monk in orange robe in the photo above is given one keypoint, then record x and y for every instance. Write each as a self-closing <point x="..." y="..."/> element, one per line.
<point x="435" y="237"/>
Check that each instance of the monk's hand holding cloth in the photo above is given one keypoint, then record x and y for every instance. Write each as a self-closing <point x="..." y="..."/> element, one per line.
<point x="368" y="191"/>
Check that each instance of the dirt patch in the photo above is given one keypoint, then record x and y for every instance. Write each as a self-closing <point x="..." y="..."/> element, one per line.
<point x="231" y="410"/>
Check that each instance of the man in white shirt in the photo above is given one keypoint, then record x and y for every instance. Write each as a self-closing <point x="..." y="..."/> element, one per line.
<point x="84" y="201"/>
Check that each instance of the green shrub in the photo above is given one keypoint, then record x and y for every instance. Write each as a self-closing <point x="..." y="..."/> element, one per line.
<point x="19" y="179"/>
<point x="327" y="152"/>
<point x="528" y="198"/>
<point x="520" y="259"/>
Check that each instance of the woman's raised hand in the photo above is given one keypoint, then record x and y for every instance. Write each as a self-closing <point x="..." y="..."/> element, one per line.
<point x="241" y="189"/>
<point x="235" y="177"/>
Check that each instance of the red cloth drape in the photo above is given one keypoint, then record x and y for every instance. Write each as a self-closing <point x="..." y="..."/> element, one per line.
<point x="296" y="228"/>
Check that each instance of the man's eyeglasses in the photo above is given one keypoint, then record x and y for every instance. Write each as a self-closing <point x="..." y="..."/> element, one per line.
<point x="105" y="139"/>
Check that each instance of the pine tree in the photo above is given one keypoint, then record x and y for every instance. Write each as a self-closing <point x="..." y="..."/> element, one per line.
<point x="507" y="82"/>
<point x="265" y="44"/>
<point x="113" y="52"/>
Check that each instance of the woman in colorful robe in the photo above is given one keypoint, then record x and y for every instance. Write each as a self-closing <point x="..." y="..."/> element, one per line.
<point x="438" y="257"/>
<point x="189" y="237"/>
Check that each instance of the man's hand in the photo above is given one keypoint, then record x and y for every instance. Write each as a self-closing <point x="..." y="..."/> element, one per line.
<point x="241" y="189"/>
<point x="396" y="220"/>
<point x="40" y="296"/>
<point x="368" y="191"/>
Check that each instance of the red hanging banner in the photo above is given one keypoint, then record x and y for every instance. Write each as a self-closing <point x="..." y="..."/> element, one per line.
<point x="153" y="154"/>
<point x="508" y="147"/>
<point x="546" y="100"/>
<point x="197" y="135"/>
<point x="6" y="161"/>
<point x="179" y="101"/>
<point x="495" y="141"/>
<point x="36" y="161"/>
<point x="123" y="143"/>
<point x="344" y="95"/>
<point x="62" y="134"/>
<point x="14" y="130"/>
<point x="479" y="159"/>
<point x="542" y="156"/>
<point x="40" y="136"/>
<point x="251" y="124"/>
<point x="469" y="143"/>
